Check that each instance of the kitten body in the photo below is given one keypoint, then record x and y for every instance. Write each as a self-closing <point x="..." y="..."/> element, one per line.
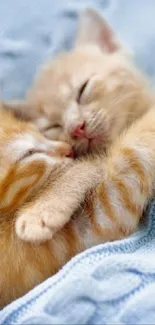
<point x="111" y="208"/>
<point x="25" y="165"/>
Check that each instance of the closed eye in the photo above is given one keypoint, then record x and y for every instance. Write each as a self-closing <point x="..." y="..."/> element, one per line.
<point x="81" y="92"/>
<point x="49" y="127"/>
<point x="29" y="153"/>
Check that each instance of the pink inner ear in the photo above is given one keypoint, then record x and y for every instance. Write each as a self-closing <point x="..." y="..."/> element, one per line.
<point x="106" y="38"/>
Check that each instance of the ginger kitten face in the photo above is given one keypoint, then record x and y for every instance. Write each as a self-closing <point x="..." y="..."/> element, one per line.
<point x="26" y="160"/>
<point x="89" y="95"/>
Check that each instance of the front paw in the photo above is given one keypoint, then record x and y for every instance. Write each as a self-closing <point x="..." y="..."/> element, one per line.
<point x="39" y="226"/>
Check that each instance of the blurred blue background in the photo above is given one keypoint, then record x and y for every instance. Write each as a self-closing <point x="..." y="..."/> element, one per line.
<point x="32" y="30"/>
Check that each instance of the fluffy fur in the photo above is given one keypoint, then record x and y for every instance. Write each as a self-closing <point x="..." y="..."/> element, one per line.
<point x="86" y="97"/>
<point x="95" y="85"/>
<point x="111" y="208"/>
<point x="25" y="165"/>
<point x="94" y="200"/>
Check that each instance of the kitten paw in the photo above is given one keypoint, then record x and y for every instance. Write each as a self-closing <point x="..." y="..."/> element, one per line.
<point x="32" y="230"/>
<point x="41" y="228"/>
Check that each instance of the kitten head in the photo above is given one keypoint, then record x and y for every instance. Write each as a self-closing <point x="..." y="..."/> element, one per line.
<point x="26" y="160"/>
<point x="90" y="94"/>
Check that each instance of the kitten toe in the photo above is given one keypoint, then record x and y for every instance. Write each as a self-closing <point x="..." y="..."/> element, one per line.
<point x="34" y="231"/>
<point x="55" y="220"/>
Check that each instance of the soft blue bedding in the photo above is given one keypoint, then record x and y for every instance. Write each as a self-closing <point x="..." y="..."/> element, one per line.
<point x="112" y="283"/>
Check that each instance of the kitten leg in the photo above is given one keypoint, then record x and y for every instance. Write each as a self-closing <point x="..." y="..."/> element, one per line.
<point x="40" y="220"/>
<point x="130" y="164"/>
<point x="29" y="224"/>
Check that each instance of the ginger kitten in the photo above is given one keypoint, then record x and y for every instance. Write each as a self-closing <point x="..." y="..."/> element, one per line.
<point x="87" y="96"/>
<point x="39" y="194"/>
<point x="25" y="166"/>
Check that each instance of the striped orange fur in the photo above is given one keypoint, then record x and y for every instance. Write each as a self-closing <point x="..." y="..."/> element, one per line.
<point x="32" y="174"/>
<point x="111" y="209"/>
<point x="136" y="165"/>
<point x="25" y="165"/>
<point x="108" y="207"/>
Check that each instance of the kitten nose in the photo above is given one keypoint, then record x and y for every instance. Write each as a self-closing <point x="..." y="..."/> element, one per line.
<point x="78" y="131"/>
<point x="70" y="154"/>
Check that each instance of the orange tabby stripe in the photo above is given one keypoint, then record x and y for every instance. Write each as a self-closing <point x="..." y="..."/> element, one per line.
<point x="71" y="240"/>
<point x="89" y="209"/>
<point x="126" y="197"/>
<point x="38" y="166"/>
<point x="17" y="200"/>
<point x="104" y="199"/>
<point x="11" y="177"/>
<point x="15" y="175"/>
<point x="5" y="184"/>
<point x="137" y="166"/>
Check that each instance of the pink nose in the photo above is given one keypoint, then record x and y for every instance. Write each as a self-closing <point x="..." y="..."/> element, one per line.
<point x="79" y="131"/>
<point x="70" y="154"/>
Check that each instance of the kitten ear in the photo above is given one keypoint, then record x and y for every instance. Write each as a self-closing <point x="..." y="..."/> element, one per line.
<point x="21" y="109"/>
<point x="93" y="28"/>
